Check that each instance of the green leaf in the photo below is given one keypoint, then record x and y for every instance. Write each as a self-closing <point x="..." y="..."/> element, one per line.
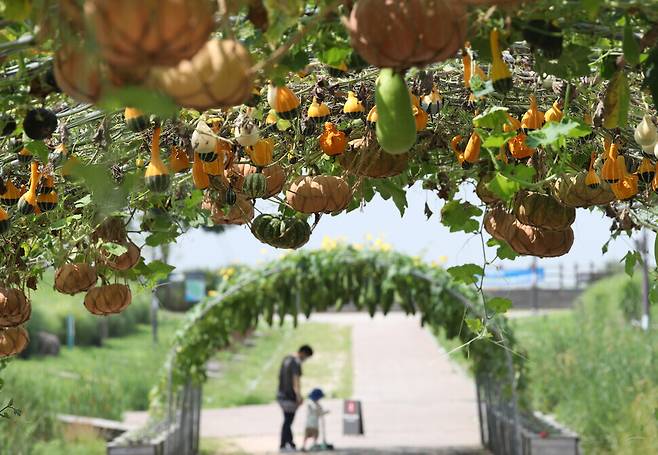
<point x="114" y="248"/>
<point x="506" y="183"/>
<point x="574" y="62"/>
<point x="499" y="305"/>
<point x="492" y="118"/>
<point x="630" y="260"/>
<point x="467" y="273"/>
<point x="458" y="216"/>
<point x="38" y="149"/>
<point x="474" y="324"/>
<point x="16" y="10"/>
<point x="159" y="270"/>
<point x="592" y="7"/>
<point x="630" y="46"/>
<point x="504" y="251"/>
<point x="335" y="56"/>
<point x="389" y="189"/>
<point x="161" y="238"/>
<point x="494" y="140"/>
<point x="147" y="100"/>
<point x="553" y="132"/>
<point x="616" y="101"/>
<point x="608" y="66"/>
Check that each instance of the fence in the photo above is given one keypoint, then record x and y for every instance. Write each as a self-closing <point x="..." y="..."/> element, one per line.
<point x="505" y="430"/>
<point x="177" y="433"/>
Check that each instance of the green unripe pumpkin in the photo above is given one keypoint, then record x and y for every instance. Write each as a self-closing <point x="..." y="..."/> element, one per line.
<point x="396" y="127"/>
<point x="281" y="231"/>
<point x="255" y="185"/>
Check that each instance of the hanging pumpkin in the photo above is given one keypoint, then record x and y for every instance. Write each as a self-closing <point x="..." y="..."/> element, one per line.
<point x="472" y="151"/>
<point x="200" y="178"/>
<point x="13" y="340"/>
<point x="261" y="154"/>
<point x="627" y="186"/>
<point x="108" y="299"/>
<point x="275" y="177"/>
<point x="353" y="106"/>
<point x="420" y="118"/>
<point x="78" y="72"/>
<point x="218" y="76"/>
<point x="157" y="176"/>
<point x="554" y="114"/>
<point x="518" y="148"/>
<point x="241" y="212"/>
<point x="24" y="155"/>
<point x="281" y="231"/>
<point x="39" y="123"/>
<point x="150" y="32"/>
<point x="74" y="278"/>
<point x="500" y="73"/>
<point x="255" y="185"/>
<point x="646" y="170"/>
<point x="399" y="35"/>
<point x="124" y="261"/>
<point x="284" y="102"/>
<point x="611" y="171"/>
<point x="319" y="194"/>
<point x="111" y="229"/>
<point x="371" y="119"/>
<point x="11" y="194"/>
<point x="246" y="131"/>
<point x="135" y="119"/>
<point x="332" y="141"/>
<point x="47" y="201"/>
<point x="592" y="180"/>
<point x="543" y="211"/>
<point x="365" y="157"/>
<point x="533" y="241"/>
<point x="573" y="191"/>
<point x="179" y="161"/>
<point x="533" y="119"/>
<point x="512" y="124"/>
<point x="204" y="142"/>
<point x="317" y="112"/>
<point x="484" y="193"/>
<point x="15" y="308"/>
<point x="5" y="222"/>
<point x="28" y="202"/>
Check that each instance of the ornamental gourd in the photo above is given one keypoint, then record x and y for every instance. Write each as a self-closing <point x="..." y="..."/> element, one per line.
<point x="319" y="194"/>
<point x="433" y="102"/>
<point x="157" y="176"/>
<point x="281" y="231"/>
<point x="399" y="35"/>
<point x="518" y="148"/>
<point x="28" y="202"/>
<point x="200" y="179"/>
<point x="47" y="184"/>
<point x="420" y="118"/>
<point x="472" y="151"/>
<point x="5" y="222"/>
<point x="611" y="171"/>
<point x="240" y="213"/>
<point x="459" y="153"/>
<point x="261" y="154"/>
<point x="592" y="180"/>
<point x="317" y="112"/>
<point x="15" y="308"/>
<point x="500" y="73"/>
<point x="646" y="135"/>
<point x="24" y="155"/>
<point x="78" y="73"/>
<point x="255" y="185"/>
<point x="218" y="76"/>
<point x="396" y="126"/>
<point x="371" y="118"/>
<point x="275" y="177"/>
<point x="135" y="119"/>
<point x="47" y="201"/>
<point x="332" y="141"/>
<point x="543" y="211"/>
<point x="366" y="158"/>
<point x="353" y="106"/>
<point x="124" y="261"/>
<point x="512" y="124"/>
<point x="73" y="278"/>
<point x="204" y="142"/>
<point x="149" y="32"/>
<point x="284" y="102"/>
<point x="246" y="131"/>
<point x="627" y="186"/>
<point x="533" y="119"/>
<point x="39" y="123"/>
<point x="646" y="170"/>
<point x="179" y="161"/>
<point x="13" y="340"/>
<point x="108" y="299"/>
<point x="11" y="194"/>
<point x="554" y="114"/>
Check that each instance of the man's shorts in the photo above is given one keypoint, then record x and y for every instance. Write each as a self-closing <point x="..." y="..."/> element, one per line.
<point x="311" y="433"/>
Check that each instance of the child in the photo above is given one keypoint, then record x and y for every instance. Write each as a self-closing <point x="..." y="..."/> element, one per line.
<point x="314" y="412"/>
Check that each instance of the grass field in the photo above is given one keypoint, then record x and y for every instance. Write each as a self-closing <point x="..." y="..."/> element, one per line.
<point x="249" y="375"/>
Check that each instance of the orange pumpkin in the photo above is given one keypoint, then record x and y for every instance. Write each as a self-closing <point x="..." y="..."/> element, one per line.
<point x="262" y="153"/>
<point x="332" y="141"/>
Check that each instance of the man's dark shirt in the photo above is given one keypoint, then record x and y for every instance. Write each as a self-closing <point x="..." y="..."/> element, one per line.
<point x="290" y="366"/>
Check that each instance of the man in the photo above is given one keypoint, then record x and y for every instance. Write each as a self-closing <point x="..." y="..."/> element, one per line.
<point x="289" y="395"/>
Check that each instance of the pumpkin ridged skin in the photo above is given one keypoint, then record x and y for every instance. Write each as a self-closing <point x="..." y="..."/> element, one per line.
<point x="541" y="210"/>
<point x="149" y="32"/>
<point x="218" y="76"/>
<point x="319" y="194"/>
<point x="125" y="261"/>
<point x="485" y="194"/>
<point x="74" y="278"/>
<point x="280" y="231"/>
<point x="108" y="299"/>
<point x="13" y="340"/>
<point x="255" y="185"/>
<point x="367" y="159"/>
<point x="112" y="229"/>
<point x="396" y="34"/>
<point x="240" y="213"/>
<point x="15" y="308"/>
<point x="275" y="177"/>
<point x="78" y="74"/>
<point x="572" y="191"/>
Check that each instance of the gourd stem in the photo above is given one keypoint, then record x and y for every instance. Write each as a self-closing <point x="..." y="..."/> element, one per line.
<point x="155" y="144"/>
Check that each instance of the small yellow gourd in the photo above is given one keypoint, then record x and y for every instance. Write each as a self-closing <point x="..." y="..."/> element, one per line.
<point x="200" y="178"/>
<point x="627" y="186"/>
<point x="317" y="112"/>
<point x="533" y="119"/>
<point x="421" y="118"/>
<point x="353" y="106"/>
<point x="612" y="170"/>
<point x="262" y="153"/>
<point x="11" y="194"/>
<point x="28" y="202"/>
<point x="4" y="221"/>
<point x="157" y="176"/>
<point x="472" y="151"/>
<point x="592" y="179"/>
<point x="500" y="73"/>
<point x="512" y="124"/>
<point x="179" y="161"/>
<point x="554" y="114"/>
<point x="135" y="119"/>
<point x="284" y="102"/>
<point x="518" y="148"/>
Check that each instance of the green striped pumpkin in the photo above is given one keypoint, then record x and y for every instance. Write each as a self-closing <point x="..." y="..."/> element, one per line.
<point x="281" y="231"/>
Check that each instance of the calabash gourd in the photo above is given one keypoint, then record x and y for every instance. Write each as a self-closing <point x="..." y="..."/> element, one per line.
<point x="332" y="141"/>
<point x="646" y="171"/>
<point x="200" y="178"/>
<point x="396" y="126"/>
<point x="592" y="180"/>
<point x="281" y="231"/>
<point x="28" y="202"/>
<point x="157" y="176"/>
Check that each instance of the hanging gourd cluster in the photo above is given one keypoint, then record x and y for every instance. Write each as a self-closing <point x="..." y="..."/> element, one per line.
<point x="235" y="158"/>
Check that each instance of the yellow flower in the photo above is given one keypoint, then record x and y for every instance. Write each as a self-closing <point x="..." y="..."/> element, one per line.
<point x="212" y="293"/>
<point x="328" y="243"/>
<point x="443" y="259"/>
<point x="368" y="237"/>
<point x="358" y="246"/>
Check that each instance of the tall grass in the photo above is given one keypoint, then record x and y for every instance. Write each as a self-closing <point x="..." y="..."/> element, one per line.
<point x="596" y="372"/>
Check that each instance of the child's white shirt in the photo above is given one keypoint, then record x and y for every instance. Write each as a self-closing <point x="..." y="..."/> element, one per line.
<point x="313" y="413"/>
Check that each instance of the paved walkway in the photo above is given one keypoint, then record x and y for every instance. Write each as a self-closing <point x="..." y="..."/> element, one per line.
<point x="415" y="399"/>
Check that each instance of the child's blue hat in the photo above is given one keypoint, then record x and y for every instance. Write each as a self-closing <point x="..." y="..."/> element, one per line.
<point x="316" y="394"/>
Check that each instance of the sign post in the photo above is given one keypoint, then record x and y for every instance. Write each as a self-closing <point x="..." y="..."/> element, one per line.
<point x="352" y="418"/>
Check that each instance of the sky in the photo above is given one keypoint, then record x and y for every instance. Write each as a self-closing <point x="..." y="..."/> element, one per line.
<point x="412" y="234"/>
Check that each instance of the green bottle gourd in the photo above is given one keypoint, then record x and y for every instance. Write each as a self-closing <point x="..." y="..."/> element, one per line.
<point x="396" y="127"/>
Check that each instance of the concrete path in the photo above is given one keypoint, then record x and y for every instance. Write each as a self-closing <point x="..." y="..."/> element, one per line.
<point x="415" y="399"/>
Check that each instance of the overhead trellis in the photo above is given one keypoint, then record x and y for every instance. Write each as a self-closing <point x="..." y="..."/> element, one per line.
<point x="309" y="281"/>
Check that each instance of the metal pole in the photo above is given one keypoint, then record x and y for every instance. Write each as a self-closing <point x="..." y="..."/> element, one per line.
<point x="515" y="407"/>
<point x="642" y="246"/>
<point x="155" y="303"/>
<point x="535" y="289"/>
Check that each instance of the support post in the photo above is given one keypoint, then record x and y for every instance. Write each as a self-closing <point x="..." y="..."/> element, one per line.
<point x="646" y="312"/>
<point x="535" y="289"/>
<point x="155" y="303"/>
